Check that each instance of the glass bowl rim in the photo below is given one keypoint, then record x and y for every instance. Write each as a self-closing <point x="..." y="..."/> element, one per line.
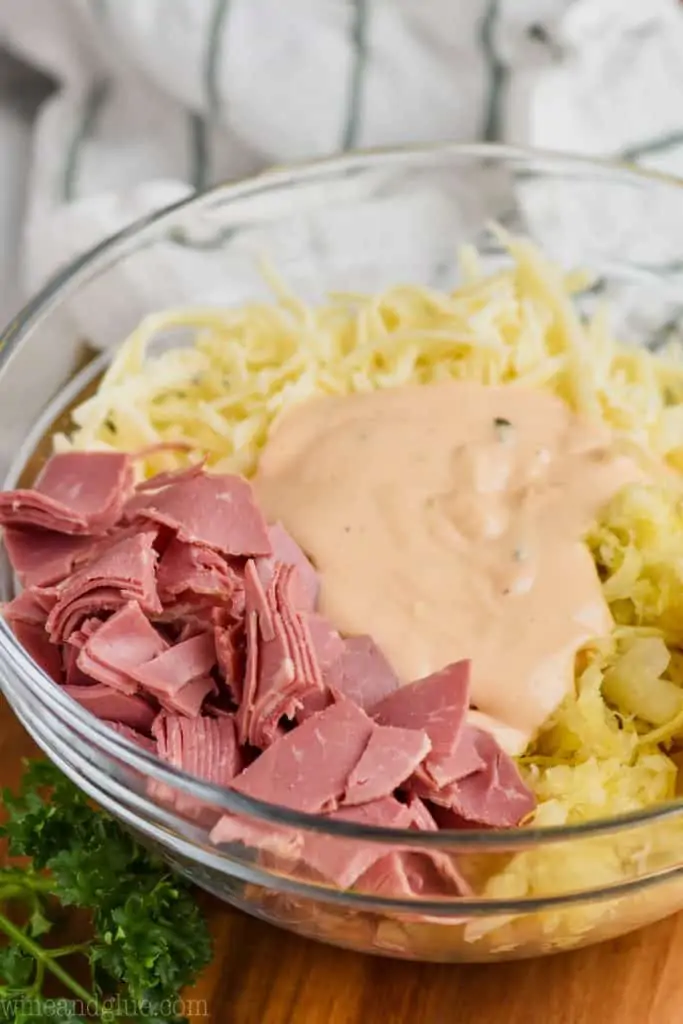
<point x="74" y="275"/>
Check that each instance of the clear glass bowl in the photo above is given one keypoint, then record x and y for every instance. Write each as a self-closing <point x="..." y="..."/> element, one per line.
<point x="361" y="222"/>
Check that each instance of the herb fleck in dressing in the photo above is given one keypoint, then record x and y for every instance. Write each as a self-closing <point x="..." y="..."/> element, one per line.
<point x="444" y="538"/>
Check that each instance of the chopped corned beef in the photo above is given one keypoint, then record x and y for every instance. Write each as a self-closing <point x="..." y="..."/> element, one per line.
<point x="282" y="668"/>
<point x="204" y="747"/>
<point x="216" y="511"/>
<point x="359" y="671"/>
<point x="495" y="796"/>
<point x="76" y="493"/>
<point x="189" y="699"/>
<point x="308" y="768"/>
<point x="43" y="557"/>
<point x="406" y="874"/>
<point x="343" y="861"/>
<point x="34" y="639"/>
<point x="230" y="651"/>
<point x="422" y="819"/>
<point x="327" y="643"/>
<point x="165" y="673"/>
<point x="286" y="550"/>
<point x="32" y="605"/>
<point x="438" y="704"/>
<point x="114" y="706"/>
<point x="188" y="571"/>
<point x="441" y="770"/>
<point x="390" y="757"/>
<point x="173" y="476"/>
<point x="135" y="737"/>
<point x="125" y="567"/>
<point x="117" y="647"/>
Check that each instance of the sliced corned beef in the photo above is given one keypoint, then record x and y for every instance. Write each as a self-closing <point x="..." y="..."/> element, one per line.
<point x="390" y="757"/>
<point x="189" y="699"/>
<point x="73" y="675"/>
<point x="112" y="705"/>
<point x="327" y="643"/>
<point x="406" y="874"/>
<point x="363" y="674"/>
<point x="189" y="571"/>
<point x="441" y="770"/>
<point x="230" y="651"/>
<point x="343" y="861"/>
<point x="98" y="601"/>
<point x="496" y="796"/>
<point x="80" y="636"/>
<point x="43" y="557"/>
<point x="332" y="858"/>
<point x="308" y="768"/>
<point x="278" y="848"/>
<point x="213" y="510"/>
<point x="32" y="605"/>
<point x="165" y="673"/>
<point x="119" y="646"/>
<point x="438" y="704"/>
<point x="287" y="551"/>
<point x="421" y="818"/>
<point x="34" y="639"/>
<point x="246" y="697"/>
<point x="284" y="668"/>
<point x="359" y="671"/>
<point x="204" y="747"/>
<point x="173" y="476"/>
<point x="146" y="742"/>
<point x="76" y="493"/>
<point x="95" y="485"/>
<point x="125" y="567"/>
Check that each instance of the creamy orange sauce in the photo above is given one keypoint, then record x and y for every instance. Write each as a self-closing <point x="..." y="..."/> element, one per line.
<point x="446" y="522"/>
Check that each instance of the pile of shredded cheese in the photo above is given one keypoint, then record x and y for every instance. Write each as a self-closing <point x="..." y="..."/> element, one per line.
<point x="607" y="749"/>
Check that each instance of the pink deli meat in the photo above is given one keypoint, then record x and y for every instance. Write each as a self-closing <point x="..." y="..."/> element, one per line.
<point x="112" y="705"/>
<point x="119" y="646"/>
<point x="36" y="642"/>
<point x="31" y="606"/>
<point x="174" y="667"/>
<point x="282" y="666"/>
<point x="215" y="511"/>
<point x="308" y="768"/>
<point x="191" y="571"/>
<point x="438" y="704"/>
<point x="125" y="567"/>
<point x="287" y="551"/>
<point x="391" y="756"/>
<point x="76" y="493"/>
<point x="359" y="671"/>
<point x="43" y="557"/>
<point x="180" y="676"/>
<point x="204" y="747"/>
<point x="495" y="797"/>
<point x="148" y="744"/>
<point x="189" y="699"/>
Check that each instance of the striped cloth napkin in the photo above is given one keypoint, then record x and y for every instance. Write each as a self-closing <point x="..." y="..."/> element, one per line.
<point x="157" y="98"/>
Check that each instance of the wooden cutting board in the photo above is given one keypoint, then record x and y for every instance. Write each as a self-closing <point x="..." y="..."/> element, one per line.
<point x="261" y="975"/>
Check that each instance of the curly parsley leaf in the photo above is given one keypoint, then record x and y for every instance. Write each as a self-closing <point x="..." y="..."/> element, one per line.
<point x="149" y="939"/>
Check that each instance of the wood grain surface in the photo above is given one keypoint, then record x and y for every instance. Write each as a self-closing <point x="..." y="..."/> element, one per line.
<point x="261" y="975"/>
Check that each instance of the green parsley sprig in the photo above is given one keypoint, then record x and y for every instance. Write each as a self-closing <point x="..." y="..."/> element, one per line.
<point x="148" y="936"/>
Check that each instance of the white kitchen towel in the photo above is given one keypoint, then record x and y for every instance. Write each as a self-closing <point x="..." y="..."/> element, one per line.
<point x="156" y="98"/>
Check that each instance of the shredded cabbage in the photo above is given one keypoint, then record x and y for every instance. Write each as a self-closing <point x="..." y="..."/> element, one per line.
<point x="605" y="751"/>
